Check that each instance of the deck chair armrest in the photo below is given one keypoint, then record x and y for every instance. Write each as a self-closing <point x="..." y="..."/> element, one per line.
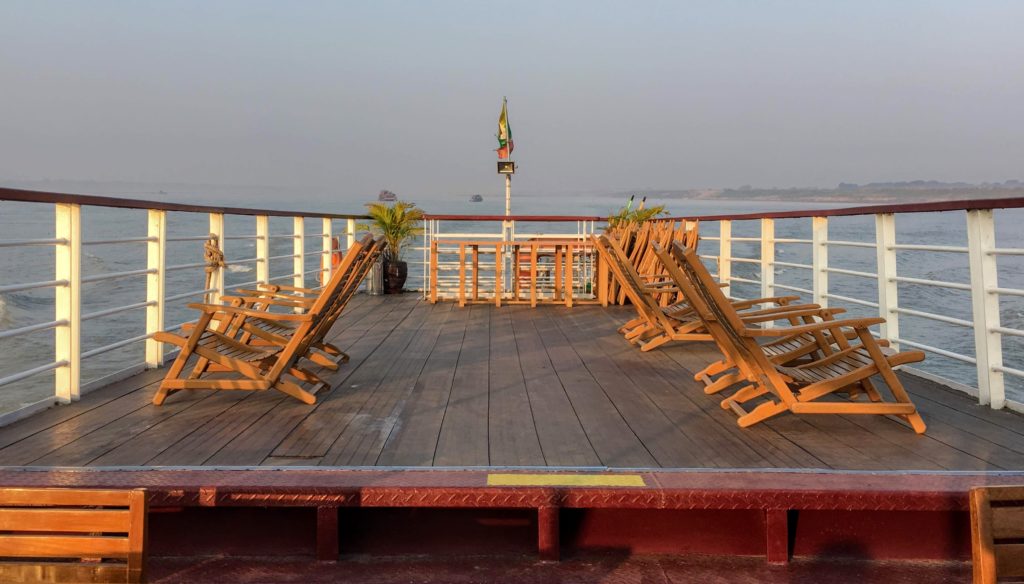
<point x="752" y="319"/>
<point x="781" y="311"/>
<point x="857" y="323"/>
<point x="283" y="287"/>
<point x="777" y="300"/>
<point x="273" y="300"/>
<point x="233" y="310"/>
<point x="272" y="294"/>
<point x="166" y="337"/>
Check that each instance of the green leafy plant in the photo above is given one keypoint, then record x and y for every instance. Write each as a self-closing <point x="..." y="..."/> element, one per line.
<point x="396" y="222"/>
<point x="628" y="214"/>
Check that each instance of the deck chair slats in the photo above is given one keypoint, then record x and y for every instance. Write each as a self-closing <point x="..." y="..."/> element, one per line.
<point x="799" y="389"/>
<point x="228" y="341"/>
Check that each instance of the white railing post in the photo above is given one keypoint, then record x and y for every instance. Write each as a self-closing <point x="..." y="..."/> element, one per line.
<point x="325" y="257"/>
<point x="767" y="260"/>
<point x="988" y="343"/>
<point x="217" y="277"/>
<point x="299" y="251"/>
<point x="156" y="262"/>
<point x="68" y="302"/>
<point x="819" y="260"/>
<point x="262" y="249"/>
<point x="725" y="255"/>
<point x="350" y="231"/>
<point x="888" y="299"/>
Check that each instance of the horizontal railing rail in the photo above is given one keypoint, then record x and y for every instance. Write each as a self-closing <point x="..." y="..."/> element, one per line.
<point x="7" y="194"/>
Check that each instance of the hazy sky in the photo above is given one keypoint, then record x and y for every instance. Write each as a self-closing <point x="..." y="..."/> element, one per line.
<point x="602" y="96"/>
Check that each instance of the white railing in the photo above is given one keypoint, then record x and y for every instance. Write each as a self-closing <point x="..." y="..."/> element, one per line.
<point x="447" y="230"/>
<point x="982" y="293"/>
<point x="70" y="286"/>
<point x="757" y="254"/>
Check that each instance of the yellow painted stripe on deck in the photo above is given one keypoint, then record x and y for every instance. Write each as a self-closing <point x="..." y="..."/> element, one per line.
<point x="565" y="480"/>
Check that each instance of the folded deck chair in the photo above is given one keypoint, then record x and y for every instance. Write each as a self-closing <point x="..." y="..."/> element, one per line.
<point x="656" y="325"/>
<point x="255" y="368"/>
<point x="802" y="389"/>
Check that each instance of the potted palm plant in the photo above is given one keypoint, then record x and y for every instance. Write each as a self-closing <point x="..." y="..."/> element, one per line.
<point x="396" y="223"/>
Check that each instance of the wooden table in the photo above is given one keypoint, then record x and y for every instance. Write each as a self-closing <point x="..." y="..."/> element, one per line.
<point x="562" y="250"/>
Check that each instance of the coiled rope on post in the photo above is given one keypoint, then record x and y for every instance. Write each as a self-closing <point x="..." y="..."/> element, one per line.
<point x="214" y="258"/>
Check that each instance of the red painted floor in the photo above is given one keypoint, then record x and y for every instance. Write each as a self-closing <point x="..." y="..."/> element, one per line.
<point x="526" y="569"/>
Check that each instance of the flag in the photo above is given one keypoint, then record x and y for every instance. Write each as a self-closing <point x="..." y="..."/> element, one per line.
<point x="505" y="145"/>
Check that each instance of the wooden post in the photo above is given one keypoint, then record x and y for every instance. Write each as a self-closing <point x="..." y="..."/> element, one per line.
<point x="602" y="280"/>
<point x="462" y="274"/>
<point x="558" y="272"/>
<point x="533" y="275"/>
<point x="476" y="273"/>
<point x="497" y="274"/>
<point x="568" y="275"/>
<point x="433" y="272"/>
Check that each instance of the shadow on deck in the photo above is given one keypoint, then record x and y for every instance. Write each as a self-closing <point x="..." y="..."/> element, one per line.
<point x="435" y="385"/>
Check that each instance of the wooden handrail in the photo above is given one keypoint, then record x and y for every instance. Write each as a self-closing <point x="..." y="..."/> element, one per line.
<point x="98" y="201"/>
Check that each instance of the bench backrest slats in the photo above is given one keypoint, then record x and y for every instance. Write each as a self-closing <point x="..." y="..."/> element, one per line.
<point x="997" y="533"/>
<point x="72" y="525"/>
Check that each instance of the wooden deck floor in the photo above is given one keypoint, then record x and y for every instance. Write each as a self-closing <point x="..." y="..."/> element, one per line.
<point x="436" y="385"/>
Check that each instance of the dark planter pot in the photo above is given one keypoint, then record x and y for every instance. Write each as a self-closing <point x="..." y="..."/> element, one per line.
<point x="395" y="274"/>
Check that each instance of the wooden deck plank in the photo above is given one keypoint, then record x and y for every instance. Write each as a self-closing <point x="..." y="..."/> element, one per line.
<point x="610" y="435"/>
<point x="361" y="442"/>
<point x="682" y="399"/>
<point x="318" y="431"/>
<point x="413" y="441"/>
<point x="510" y="386"/>
<point x="512" y="433"/>
<point x="253" y="446"/>
<point x="47" y="419"/>
<point x="562" y="438"/>
<point x="463" y="437"/>
<point x="667" y="443"/>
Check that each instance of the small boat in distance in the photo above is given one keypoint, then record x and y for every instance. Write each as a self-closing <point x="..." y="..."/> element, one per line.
<point x="476" y="199"/>
<point x="388" y="196"/>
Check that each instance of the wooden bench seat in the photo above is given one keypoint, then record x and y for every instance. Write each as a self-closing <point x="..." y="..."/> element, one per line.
<point x="72" y="535"/>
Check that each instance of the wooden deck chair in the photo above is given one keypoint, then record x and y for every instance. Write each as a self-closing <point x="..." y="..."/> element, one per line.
<point x="997" y="529"/>
<point x="656" y="325"/>
<point x="255" y="368"/>
<point x="798" y="389"/>
<point x="263" y="332"/>
<point x="790" y="350"/>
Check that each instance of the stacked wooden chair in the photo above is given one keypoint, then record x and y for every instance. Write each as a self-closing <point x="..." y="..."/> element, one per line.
<point x="805" y="388"/>
<point x="260" y="349"/>
<point x="657" y="324"/>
